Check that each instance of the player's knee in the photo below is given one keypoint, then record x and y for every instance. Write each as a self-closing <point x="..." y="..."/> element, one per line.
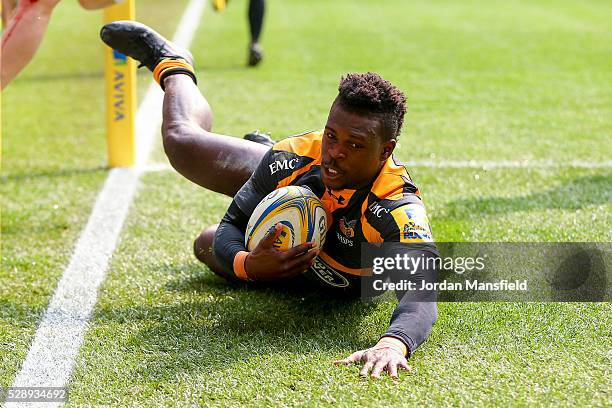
<point x="176" y="140"/>
<point x="202" y="248"/>
<point x="203" y="245"/>
<point x="180" y="141"/>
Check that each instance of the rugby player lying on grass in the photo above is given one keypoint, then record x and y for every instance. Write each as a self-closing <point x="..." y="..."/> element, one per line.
<point x="348" y="165"/>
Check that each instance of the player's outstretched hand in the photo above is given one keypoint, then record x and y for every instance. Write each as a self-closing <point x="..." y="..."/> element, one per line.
<point x="266" y="263"/>
<point x="384" y="356"/>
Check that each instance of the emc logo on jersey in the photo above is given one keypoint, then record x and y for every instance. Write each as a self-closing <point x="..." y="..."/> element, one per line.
<point x="377" y="209"/>
<point x="287" y="164"/>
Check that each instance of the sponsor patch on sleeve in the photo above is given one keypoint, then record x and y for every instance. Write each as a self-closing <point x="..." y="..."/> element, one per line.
<point x="413" y="224"/>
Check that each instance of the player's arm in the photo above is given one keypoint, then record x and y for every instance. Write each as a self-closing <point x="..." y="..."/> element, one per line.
<point x="416" y="312"/>
<point x="264" y="262"/>
<point x="413" y="318"/>
<point x="411" y="321"/>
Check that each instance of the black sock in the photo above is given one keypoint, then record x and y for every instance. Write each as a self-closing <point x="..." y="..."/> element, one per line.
<point x="256" y="15"/>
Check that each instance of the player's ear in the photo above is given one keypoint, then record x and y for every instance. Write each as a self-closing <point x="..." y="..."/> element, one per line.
<point x="387" y="149"/>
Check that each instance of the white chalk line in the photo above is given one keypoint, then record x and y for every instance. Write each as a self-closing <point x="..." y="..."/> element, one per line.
<point x="460" y="164"/>
<point x="50" y="360"/>
<point x="507" y="164"/>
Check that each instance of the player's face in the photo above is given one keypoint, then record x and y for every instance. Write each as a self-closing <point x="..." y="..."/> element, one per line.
<point x="353" y="150"/>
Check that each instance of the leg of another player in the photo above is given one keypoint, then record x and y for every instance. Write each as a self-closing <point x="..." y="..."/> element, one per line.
<point x="216" y="162"/>
<point x="256" y="16"/>
<point x="25" y="29"/>
<point x="98" y="4"/>
<point x="8" y="7"/>
<point x="23" y="36"/>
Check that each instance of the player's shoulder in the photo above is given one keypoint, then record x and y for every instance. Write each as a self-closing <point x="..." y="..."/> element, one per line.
<point x="394" y="183"/>
<point x="290" y="158"/>
<point x="399" y="218"/>
<point x="394" y="208"/>
<point x="305" y="145"/>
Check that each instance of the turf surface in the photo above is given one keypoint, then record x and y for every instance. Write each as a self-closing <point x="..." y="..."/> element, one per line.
<point x="485" y="80"/>
<point x="54" y="164"/>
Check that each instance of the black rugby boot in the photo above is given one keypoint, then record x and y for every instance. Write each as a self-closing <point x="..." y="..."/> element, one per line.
<point x="261" y="138"/>
<point x="255" y="55"/>
<point x="142" y="43"/>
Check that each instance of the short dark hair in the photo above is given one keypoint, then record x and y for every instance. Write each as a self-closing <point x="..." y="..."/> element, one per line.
<point x="368" y="93"/>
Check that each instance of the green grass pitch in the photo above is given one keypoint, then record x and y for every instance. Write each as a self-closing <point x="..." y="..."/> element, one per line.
<point x="485" y="80"/>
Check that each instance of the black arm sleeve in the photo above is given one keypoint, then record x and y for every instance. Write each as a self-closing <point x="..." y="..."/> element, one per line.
<point x="229" y="239"/>
<point x="414" y="316"/>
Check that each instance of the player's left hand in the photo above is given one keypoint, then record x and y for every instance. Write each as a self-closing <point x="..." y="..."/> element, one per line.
<point x="388" y="354"/>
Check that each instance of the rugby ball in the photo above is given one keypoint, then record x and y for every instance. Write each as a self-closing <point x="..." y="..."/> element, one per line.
<point x="300" y="212"/>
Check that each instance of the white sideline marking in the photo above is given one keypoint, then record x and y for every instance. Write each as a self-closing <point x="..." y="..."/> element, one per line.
<point x="51" y="357"/>
<point x="156" y="167"/>
<point x="507" y="164"/>
<point x="460" y="164"/>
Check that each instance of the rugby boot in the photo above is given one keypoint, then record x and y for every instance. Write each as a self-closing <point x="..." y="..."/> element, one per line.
<point x="255" y="55"/>
<point x="148" y="47"/>
<point x="261" y="138"/>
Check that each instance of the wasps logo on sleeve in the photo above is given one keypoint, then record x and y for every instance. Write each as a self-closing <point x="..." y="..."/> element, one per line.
<point x="413" y="224"/>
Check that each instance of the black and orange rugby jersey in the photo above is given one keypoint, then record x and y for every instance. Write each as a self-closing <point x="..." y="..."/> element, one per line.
<point x="389" y="210"/>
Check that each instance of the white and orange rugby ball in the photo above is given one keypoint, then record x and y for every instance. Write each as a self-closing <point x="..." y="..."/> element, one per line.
<point x="300" y="212"/>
